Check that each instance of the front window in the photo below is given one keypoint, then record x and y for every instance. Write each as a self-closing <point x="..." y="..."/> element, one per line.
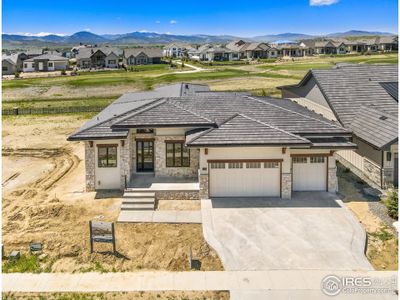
<point x="177" y="155"/>
<point x="388" y="156"/>
<point x="5" y="69"/>
<point x="50" y="64"/>
<point x="25" y="65"/>
<point x="111" y="62"/>
<point x="107" y="156"/>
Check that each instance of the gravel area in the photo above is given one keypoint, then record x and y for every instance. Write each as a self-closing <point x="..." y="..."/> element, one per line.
<point x="352" y="188"/>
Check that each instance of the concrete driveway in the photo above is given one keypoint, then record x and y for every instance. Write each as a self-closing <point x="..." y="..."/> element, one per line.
<point x="311" y="231"/>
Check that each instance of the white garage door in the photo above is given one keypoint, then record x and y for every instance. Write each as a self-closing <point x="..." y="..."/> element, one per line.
<point x="245" y="179"/>
<point x="309" y="173"/>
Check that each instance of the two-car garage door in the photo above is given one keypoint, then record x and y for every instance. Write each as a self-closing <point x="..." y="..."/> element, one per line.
<point x="245" y="179"/>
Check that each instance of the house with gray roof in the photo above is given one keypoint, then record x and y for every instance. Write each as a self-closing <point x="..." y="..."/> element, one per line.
<point x="12" y="63"/>
<point x="98" y="57"/>
<point x="45" y="63"/>
<point x="224" y="143"/>
<point x="254" y="50"/>
<point x="142" y="56"/>
<point x="176" y="50"/>
<point x="363" y="99"/>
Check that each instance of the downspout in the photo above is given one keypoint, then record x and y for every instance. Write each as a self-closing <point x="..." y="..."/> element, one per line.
<point x="382" y="156"/>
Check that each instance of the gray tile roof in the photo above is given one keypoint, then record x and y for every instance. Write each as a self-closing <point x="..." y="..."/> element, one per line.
<point x="99" y="127"/>
<point x="235" y="117"/>
<point x="51" y="57"/>
<point x="88" y="52"/>
<point x="242" y="130"/>
<point x="375" y="127"/>
<point x="149" y="51"/>
<point x="12" y="59"/>
<point x="349" y="87"/>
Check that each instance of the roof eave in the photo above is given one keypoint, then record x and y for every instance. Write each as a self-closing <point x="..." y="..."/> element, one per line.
<point x="200" y="125"/>
<point x="249" y="145"/>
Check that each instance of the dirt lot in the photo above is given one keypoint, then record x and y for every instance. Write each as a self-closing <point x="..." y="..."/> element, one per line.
<point x="120" y="296"/>
<point x="44" y="201"/>
<point x="382" y="251"/>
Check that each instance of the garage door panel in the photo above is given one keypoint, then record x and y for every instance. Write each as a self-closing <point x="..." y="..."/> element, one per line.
<point x="245" y="182"/>
<point x="309" y="176"/>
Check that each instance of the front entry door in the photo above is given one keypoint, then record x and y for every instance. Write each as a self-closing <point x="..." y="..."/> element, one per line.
<point x="144" y="156"/>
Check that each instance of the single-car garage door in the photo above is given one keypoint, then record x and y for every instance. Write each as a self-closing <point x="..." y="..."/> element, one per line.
<point x="309" y="173"/>
<point x="245" y="179"/>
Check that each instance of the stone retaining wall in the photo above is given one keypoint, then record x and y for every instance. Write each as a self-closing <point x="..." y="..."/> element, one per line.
<point x="177" y="195"/>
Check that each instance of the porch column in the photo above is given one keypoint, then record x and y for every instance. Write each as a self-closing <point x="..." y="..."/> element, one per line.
<point x="125" y="160"/>
<point x="90" y="165"/>
<point x="332" y="175"/>
<point x="286" y="185"/>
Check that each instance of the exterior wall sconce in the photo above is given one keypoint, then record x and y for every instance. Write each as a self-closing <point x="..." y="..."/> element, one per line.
<point x="206" y="151"/>
<point x="91" y="144"/>
<point x="122" y="143"/>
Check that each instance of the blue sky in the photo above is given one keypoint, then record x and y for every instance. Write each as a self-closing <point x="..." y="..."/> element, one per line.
<point x="191" y="17"/>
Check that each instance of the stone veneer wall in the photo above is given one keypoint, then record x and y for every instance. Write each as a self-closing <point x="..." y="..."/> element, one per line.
<point x="203" y="182"/>
<point x="332" y="180"/>
<point x="286" y="185"/>
<point x="177" y="195"/>
<point x="125" y="161"/>
<point x="90" y="165"/>
<point x="372" y="171"/>
<point x="160" y="164"/>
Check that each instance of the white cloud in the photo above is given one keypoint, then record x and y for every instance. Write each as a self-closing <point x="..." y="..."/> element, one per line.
<point x="322" y="2"/>
<point x="158" y="22"/>
<point x="173" y="22"/>
<point x="87" y="29"/>
<point x="40" y="33"/>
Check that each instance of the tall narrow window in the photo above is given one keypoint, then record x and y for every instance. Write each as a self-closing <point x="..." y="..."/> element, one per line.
<point x="177" y="155"/>
<point x="107" y="156"/>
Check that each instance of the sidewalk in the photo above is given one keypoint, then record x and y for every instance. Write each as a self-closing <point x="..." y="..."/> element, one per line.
<point x="283" y="281"/>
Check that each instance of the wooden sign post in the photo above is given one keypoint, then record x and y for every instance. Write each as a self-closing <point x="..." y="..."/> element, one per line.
<point x="101" y="232"/>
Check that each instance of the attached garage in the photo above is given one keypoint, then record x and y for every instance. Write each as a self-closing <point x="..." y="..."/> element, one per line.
<point x="309" y="173"/>
<point x="252" y="178"/>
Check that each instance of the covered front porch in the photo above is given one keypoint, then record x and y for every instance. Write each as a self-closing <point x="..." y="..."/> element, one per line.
<point x="150" y="182"/>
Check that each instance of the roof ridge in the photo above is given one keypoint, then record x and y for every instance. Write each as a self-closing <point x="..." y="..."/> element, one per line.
<point x="274" y="127"/>
<point x="109" y="119"/>
<point x="295" y="112"/>
<point x="160" y="101"/>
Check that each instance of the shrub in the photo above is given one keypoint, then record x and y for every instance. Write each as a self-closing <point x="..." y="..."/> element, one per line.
<point x="63" y="72"/>
<point x="392" y="203"/>
<point x="17" y="74"/>
<point x="182" y="65"/>
<point x="263" y="93"/>
<point x="26" y="263"/>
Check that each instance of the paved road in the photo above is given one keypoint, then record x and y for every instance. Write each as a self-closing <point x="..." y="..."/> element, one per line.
<point x="281" y="284"/>
<point x="310" y="231"/>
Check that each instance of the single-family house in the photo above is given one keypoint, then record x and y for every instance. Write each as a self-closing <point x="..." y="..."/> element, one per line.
<point x="33" y="52"/>
<point x="45" y="63"/>
<point x="246" y="50"/>
<point x="176" y="50"/>
<point x="231" y="144"/>
<point x="98" y="57"/>
<point x="142" y="56"/>
<point x="294" y="50"/>
<point x="209" y="52"/>
<point x="388" y="43"/>
<point x="363" y="99"/>
<point x="12" y="63"/>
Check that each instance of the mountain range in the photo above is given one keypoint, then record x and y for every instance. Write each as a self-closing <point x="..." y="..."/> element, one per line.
<point x="138" y="37"/>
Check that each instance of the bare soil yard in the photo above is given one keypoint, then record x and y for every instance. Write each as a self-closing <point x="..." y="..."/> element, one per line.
<point x="44" y="201"/>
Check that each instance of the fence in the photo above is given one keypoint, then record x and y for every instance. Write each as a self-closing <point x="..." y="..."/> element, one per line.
<point x="51" y="110"/>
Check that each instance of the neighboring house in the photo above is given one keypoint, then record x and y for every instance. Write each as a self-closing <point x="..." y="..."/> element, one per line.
<point x="325" y="47"/>
<point x="294" y="50"/>
<point x="364" y="99"/>
<point x="104" y="57"/>
<point x="209" y="52"/>
<point x="246" y="50"/>
<point x="388" y="43"/>
<point x="176" y="50"/>
<point x="30" y="53"/>
<point x="232" y="143"/>
<point x="45" y="63"/>
<point x="12" y="63"/>
<point x="142" y="56"/>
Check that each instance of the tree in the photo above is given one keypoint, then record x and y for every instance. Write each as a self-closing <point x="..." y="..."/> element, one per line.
<point x="392" y="203"/>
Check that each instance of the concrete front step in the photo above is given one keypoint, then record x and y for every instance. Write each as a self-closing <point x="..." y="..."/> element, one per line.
<point x="138" y="200"/>
<point x="137" y="206"/>
<point x="139" y="194"/>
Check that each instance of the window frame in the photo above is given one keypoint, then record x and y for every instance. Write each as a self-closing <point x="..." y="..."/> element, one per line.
<point x="300" y="160"/>
<point x="388" y="156"/>
<point x="317" y="160"/>
<point x="108" y="164"/>
<point x="50" y="64"/>
<point x="175" y="163"/>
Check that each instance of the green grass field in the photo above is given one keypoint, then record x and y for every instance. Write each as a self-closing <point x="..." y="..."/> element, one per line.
<point x="101" y="88"/>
